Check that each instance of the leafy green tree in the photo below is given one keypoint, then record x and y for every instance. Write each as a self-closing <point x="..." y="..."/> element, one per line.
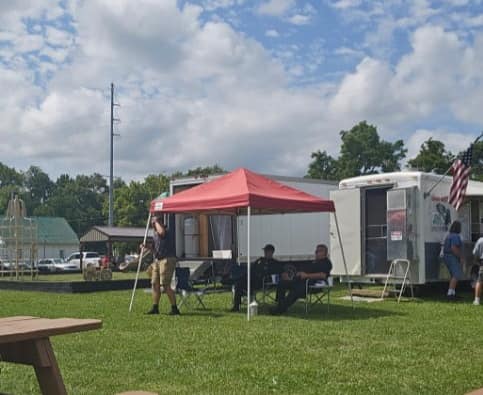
<point x="131" y="204"/>
<point x="200" y="172"/>
<point x="37" y="188"/>
<point x="11" y="183"/>
<point x="432" y="157"/>
<point x="9" y="176"/>
<point x="323" y="166"/>
<point x="156" y="185"/>
<point x="477" y="162"/>
<point x="363" y="152"/>
<point x="79" y="200"/>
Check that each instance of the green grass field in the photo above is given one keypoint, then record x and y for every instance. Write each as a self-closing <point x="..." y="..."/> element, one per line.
<point x="426" y="346"/>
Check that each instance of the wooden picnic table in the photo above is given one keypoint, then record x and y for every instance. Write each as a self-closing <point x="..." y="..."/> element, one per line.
<point x="25" y="340"/>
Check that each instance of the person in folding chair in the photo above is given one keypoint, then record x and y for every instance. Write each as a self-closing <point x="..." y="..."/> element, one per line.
<point x="261" y="268"/>
<point x="294" y="281"/>
<point x="162" y="269"/>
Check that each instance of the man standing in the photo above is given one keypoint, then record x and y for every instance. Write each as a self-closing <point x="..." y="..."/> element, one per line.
<point x="295" y="283"/>
<point x="478" y="254"/>
<point x="261" y="268"/>
<point x="163" y="267"/>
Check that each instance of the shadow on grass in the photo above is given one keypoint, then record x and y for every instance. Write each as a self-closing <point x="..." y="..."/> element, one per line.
<point x="337" y="313"/>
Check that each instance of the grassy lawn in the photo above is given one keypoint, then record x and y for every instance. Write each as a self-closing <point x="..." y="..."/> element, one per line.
<point x="421" y="347"/>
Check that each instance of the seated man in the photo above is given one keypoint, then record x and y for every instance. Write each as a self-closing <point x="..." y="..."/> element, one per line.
<point x="294" y="283"/>
<point x="260" y="269"/>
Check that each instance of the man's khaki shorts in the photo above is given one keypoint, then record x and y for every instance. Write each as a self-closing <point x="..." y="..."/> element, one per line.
<point x="162" y="270"/>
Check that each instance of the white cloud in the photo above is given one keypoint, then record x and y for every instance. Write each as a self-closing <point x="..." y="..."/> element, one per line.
<point x="272" y="33"/>
<point x="299" y="19"/>
<point x="197" y="93"/>
<point x="344" y="4"/>
<point x="56" y="37"/>
<point x="350" y="52"/>
<point x="29" y="43"/>
<point x="211" y="5"/>
<point x="475" y="21"/>
<point x="276" y="7"/>
<point x="440" y="77"/>
<point x="458" y="3"/>
<point x="453" y="142"/>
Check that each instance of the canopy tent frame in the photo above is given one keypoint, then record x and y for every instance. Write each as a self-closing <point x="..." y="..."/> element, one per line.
<point x="244" y="190"/>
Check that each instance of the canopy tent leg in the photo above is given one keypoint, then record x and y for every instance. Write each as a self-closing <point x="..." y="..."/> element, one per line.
<point x="343" y="257"/>
<point x="248" y="263"/>
<point x="139" y="262"/>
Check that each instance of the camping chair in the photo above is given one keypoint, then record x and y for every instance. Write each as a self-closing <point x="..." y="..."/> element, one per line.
<point x="185" y="288"/>
<point x="315" y="293"/>
<point x="269" y="289"/>
<point x="198" y="270"/>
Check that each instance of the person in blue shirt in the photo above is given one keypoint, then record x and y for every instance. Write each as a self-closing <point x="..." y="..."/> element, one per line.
<point x="453" y="257"/>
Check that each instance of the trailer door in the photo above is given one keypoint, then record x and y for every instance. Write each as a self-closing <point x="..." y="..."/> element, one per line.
<point x="348" y="208"/>
<point x="401" y="224"/>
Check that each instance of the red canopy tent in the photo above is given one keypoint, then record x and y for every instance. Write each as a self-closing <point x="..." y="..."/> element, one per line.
<point x="244" y="192"/>
<point x="239" y="190"/>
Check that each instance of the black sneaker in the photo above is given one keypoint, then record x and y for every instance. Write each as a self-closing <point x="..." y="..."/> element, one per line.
<point x="451" y="298"/>
<point x="153" y="311"/>
<point x="174" y="311"/>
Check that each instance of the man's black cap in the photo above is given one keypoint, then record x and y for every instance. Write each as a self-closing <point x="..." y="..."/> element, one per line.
<point x="269" y="247"/>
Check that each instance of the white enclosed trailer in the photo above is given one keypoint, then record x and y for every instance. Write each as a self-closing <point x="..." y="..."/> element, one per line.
<point x="391" y="216"/>
<point x="293" y="235"/>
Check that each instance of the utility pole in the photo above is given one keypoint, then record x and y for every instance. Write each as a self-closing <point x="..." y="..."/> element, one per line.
<point x="111" y="176"/>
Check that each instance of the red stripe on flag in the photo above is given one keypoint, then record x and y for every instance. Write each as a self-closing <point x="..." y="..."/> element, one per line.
<point x="461" y="174"/>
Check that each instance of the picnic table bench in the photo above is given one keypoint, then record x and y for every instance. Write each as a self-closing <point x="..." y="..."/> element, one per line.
<point x="26" y="340"/>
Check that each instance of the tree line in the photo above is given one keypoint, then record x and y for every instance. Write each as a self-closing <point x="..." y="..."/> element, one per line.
<point x="363" y="152"/>
<point x="83" y="200"/>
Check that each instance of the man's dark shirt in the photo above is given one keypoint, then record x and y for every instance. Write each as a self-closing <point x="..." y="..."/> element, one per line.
<point x="321" y="266"/>
<point x="264" y="267"/>
<point x="163" y="247"/>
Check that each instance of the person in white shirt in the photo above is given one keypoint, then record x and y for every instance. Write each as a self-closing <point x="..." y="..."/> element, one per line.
<point x="478" y="253"/>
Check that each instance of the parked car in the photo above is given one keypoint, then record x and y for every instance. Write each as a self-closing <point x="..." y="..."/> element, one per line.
<point x="5" y="265"/>
<point x="48" y="265"/>
<point x="130" y="263"/>
<point x="66" y="267"/>
<point x="88" y="257"/>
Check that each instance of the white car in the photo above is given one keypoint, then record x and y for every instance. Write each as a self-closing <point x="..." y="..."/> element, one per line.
<point x="88" y="257"/>
<point x="48" y="265"/>
<point x="5" y="265"/>
<point x="66" y="267"/>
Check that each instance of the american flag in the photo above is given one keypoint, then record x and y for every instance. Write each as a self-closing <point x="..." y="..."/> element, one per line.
<point x="460" y="169"/>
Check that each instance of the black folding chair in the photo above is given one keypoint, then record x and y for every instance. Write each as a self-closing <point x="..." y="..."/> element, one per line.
<point x="184" y="287"/>
<point x="317" y="292"/>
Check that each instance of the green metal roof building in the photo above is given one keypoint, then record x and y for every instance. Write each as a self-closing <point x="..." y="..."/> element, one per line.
<point x="55" y="237"/>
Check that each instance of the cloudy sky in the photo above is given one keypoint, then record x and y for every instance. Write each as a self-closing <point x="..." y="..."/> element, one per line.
<point x="259" y="84"/>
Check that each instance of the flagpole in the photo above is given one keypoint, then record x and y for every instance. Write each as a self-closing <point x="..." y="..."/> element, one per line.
<point x="426" y="194"/>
